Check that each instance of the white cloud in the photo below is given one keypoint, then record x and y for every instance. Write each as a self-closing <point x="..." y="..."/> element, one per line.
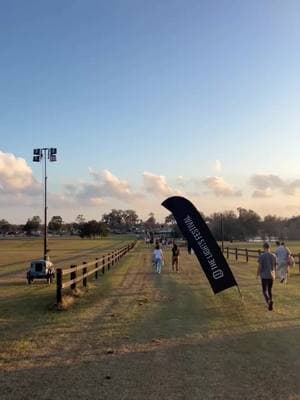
<point x="218" y="166"/>
<point x="266" y="184"/>
<point x="291" y="187"/>
<point x="262" y="193"/>
<point x="220" y="187"/>
<point x="266" y="181"/>
<point x="97" y="201"/>
<point x="16" y="175"/>
<point x="181" y="181"/>
<point x="157" y="185"/>
<point x="105" y="185"/>
<point x="114" y="186"/>
<point x="18" y="187"/>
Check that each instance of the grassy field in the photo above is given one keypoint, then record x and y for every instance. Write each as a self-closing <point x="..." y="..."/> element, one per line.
<point x="138" y="335"/>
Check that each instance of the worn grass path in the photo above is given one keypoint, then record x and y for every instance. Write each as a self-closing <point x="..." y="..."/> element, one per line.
<point x="138" y="335"/>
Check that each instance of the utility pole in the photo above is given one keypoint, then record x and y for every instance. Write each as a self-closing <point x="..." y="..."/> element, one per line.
<point x="222" y="232"/>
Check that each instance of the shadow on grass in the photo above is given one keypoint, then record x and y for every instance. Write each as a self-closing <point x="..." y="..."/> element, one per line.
<point x="235" y="368"/>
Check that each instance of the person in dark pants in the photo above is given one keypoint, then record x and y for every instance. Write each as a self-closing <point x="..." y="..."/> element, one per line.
<point x="175" y="257"/>
<point x="266" y="272"/>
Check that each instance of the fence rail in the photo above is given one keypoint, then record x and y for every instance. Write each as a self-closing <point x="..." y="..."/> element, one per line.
<point x="251" y="253"/>
<point x="81" y="272"/>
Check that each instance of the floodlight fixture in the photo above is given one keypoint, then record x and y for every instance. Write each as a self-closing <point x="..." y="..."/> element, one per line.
<point x="36" y="158"/>
<point x="37" y="152"/>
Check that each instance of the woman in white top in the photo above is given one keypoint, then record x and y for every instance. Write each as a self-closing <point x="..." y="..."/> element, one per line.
<point x="158" y="258"/>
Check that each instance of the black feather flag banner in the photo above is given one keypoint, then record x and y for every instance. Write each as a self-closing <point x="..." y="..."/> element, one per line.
<point x="199" y="237"/>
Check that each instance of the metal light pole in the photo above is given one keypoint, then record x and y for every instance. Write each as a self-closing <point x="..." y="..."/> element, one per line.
<point x="38" y="155"/>
<point x="222" y="232"/>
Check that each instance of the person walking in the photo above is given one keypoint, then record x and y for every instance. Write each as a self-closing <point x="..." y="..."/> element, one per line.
<point x="158" y="258"/>
<point x="282" y="253"/>
<point x="175" y="257"/>
<point x="266" y="272"/>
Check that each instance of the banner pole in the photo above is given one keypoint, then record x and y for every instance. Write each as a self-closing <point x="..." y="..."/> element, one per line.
<point x="240" y="293"/>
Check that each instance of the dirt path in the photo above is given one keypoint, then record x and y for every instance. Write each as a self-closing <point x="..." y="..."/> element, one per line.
<point x="137" y="335"/>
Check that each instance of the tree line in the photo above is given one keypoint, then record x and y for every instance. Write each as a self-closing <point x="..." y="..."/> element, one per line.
<point x="241" y="224"/>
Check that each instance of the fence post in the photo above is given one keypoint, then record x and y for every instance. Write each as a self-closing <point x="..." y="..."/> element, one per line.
<point x="113" y="257"/>
<point x="247" y="255"/>
<point x="103" y="264"/>
<point x="259" y="252"/>
<point x="84" y="271"/>
<point x="58" y="287"/>
<point x="299" y="261"/>
<point x="236" y="254"/>
<point x="96" y="266"/>
<point x="227" y="252"/>
<point x="108" y="261"/>
<point x="73" y="276"/>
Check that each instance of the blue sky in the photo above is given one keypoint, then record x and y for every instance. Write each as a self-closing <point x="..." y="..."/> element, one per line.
<point x="207" y="91"/>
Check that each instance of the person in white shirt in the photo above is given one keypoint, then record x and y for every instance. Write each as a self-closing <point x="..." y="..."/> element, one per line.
<point x="282" y="253"/>
<point x="158" y="258"/>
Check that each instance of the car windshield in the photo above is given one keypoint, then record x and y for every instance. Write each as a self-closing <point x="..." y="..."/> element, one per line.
<point x="39" y="267"/>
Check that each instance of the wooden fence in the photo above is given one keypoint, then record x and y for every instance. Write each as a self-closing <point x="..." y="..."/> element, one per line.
<point x="81" y="272"/>
<point x="251" y="253"/>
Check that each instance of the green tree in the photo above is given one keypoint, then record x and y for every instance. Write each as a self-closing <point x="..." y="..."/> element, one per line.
<point x="5" y="226"/>
<point x="150" y="222"/>
<point x="271" y="226"/>
<point x="170" y="220"/>
<point x="55" y="223"/>
<point x="80" y="219"/>
<point x="114" y="219"/>
<point x="249" y="223"/>
<point x="93" y="229"/>
<point x="33" y="225"/>
<point x="231" y="228"/>
<point x="130" y="219"/>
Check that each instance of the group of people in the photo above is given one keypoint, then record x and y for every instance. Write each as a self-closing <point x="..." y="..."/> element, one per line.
<point x="268" y="264"/>
<point x="158" y="258"/>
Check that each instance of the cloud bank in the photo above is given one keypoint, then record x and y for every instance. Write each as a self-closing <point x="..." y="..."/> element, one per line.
<point x="20" y="191"/>
<point x="267" y="184"/>
<point x="219" y="187"/>
<point x="105" y="185"/>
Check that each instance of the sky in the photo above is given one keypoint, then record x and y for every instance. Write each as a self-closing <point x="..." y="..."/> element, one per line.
<point x="148" y="99"/>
